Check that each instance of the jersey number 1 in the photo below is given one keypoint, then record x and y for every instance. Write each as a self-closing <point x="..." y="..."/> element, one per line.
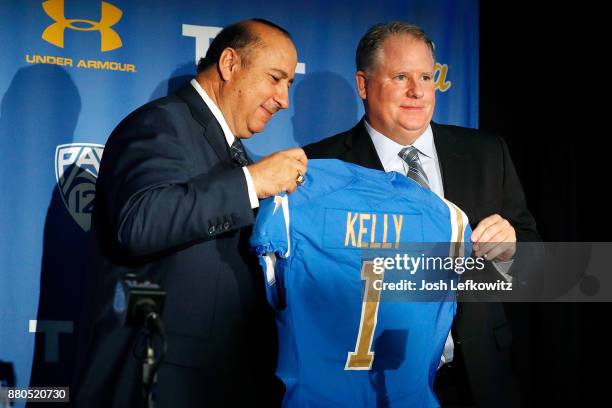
<point x="363" y="356"/>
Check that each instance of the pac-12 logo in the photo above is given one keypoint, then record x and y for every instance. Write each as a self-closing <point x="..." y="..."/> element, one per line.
<point x="76" y="171"/>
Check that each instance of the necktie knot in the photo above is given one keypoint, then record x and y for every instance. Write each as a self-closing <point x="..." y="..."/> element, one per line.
<point x="410" y="156"/>
<point x="238" y="154"/>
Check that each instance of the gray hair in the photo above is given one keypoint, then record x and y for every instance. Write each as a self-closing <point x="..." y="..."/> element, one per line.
<point x="370" y="44"/>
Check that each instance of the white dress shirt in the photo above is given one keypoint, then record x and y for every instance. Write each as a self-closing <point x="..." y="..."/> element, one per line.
<point x="388" y="152"/>
<point x="229" y="137"/>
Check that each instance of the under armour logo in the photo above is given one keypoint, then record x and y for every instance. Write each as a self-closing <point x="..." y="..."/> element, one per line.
<point x="110" y="15"/>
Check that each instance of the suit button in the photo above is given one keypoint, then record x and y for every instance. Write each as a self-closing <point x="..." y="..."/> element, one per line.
<point x="226" y="225"/>
<point x="211" y="230"/>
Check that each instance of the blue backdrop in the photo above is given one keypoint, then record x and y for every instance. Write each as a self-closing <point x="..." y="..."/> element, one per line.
<point x="71" y="70"/>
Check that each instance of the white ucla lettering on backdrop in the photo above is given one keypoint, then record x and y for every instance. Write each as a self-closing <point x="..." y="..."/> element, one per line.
<point x="76" y="171"/>
<point x="203" y="35"/>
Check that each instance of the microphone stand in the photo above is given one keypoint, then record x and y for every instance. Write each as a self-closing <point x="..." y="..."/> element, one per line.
<point x="152" y="326"/>
<point x="141" y="304"/>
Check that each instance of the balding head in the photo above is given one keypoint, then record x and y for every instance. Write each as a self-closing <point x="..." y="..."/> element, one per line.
<point x="244" y="37"/>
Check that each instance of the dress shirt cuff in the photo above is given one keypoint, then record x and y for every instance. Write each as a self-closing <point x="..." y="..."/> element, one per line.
<point x="503" y="267"/>
<point x="251" y="186"/>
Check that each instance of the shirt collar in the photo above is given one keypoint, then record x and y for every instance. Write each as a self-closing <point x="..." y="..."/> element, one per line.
<point x="229" y="136"/>
<point x="425" y="143"/>
<point x="387" y="149"/>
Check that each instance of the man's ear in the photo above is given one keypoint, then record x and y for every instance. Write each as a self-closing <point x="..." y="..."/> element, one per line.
<point x="229" y="61"/>
<point x="360" y="82"/>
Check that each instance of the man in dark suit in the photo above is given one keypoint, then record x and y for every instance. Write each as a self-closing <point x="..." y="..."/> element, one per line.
<point x="174" y="201"/>
<point x="395" y="79"/>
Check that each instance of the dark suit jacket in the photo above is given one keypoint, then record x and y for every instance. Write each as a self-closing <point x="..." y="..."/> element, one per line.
<point x="172" y="206"/>
<point x="478" y="176"/>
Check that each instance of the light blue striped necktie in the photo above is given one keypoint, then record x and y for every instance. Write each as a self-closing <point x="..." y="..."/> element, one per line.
<point x="410" y="155"/>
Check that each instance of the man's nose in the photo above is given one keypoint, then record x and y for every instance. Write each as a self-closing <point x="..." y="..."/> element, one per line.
<point x="282" y="96"/>
<point x="415" y="89"/>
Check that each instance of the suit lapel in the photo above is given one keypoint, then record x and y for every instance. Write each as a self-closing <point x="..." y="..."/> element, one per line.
<point x="452" y="161"/>
<point x="360" y="149"/>
<point x="212" y="129"/>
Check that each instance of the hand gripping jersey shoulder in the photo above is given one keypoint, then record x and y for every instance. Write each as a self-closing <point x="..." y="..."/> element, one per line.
<point x="341" y="343"/>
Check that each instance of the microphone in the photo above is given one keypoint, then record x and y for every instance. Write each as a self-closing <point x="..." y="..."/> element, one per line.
<point x="139" y="303"/>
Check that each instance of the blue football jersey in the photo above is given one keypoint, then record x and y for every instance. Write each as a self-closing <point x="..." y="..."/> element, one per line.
<point x="341" y="344"/>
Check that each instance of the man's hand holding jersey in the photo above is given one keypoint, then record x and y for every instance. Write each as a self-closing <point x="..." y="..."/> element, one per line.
<point x="495" y="239"/>
<point x="279" y="172"/>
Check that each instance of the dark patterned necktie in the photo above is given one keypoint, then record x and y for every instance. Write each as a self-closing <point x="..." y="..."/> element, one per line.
<point x="238" y="154"/>
<point x="410" y="155"/>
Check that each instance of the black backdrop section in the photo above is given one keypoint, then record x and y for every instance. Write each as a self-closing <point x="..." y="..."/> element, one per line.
<point x="540" y="73"/>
